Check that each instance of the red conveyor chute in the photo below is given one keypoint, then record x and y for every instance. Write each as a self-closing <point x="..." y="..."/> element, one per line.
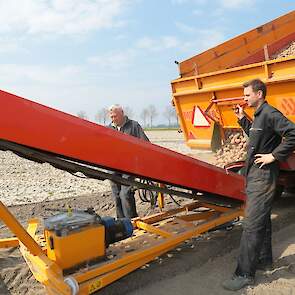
<point x="34" y="125"/>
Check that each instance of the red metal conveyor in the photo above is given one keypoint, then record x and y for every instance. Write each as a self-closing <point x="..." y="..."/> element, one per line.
<point x="39" y="127"/>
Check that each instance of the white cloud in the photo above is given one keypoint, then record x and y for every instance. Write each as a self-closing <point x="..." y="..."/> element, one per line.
<point x="9" y="45"/>
<point x="59" y="16"/>
<point x="205" y="39"/>
<point x="184" y="28"/>
<point x="146" y="43"/>
<point x="224" y="3"/>
<point x="159" y="44"/>
<point x="199" y="40"/>
<point x="198" y="12"/>
<point x="180" y="2"/>
<point x="120" y="37"/>
<point x="72" y="89"/>
<point x="114" y="60"/>
<point x="210" y="38"/>
<point x="169" y="42"/>
<point x="219" y="13"/>
<point x="53" y="75"/>
<point x="234" y="4"/>
<point x="66" y="88"/>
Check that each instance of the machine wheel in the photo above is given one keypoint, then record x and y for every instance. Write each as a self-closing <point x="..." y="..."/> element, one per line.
<point x="279" y="191"/>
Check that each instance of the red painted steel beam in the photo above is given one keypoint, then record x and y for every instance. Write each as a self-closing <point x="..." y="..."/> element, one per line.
<point x="34" y="125"/>
<point x="289" y="164"/>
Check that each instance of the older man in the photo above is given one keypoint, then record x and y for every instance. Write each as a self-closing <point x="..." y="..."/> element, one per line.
<point x="124" y="195"/>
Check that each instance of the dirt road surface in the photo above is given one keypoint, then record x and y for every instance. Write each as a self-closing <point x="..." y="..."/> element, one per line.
<point x="197" y="266"/>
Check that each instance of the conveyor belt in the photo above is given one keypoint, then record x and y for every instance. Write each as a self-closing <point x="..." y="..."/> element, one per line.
<point x="46" y="130"/>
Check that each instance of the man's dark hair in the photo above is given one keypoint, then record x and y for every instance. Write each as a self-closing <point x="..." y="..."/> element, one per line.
<point x="256" y="85"/>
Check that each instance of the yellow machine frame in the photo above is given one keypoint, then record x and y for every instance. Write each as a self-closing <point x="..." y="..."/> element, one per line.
<point x="153" y="236"/>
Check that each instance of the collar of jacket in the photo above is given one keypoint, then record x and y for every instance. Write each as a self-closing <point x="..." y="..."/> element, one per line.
<point x="258" y="111"/>
<point x="126" y="119"/>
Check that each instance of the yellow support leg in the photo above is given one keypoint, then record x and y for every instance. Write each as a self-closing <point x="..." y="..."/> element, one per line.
<point x="9" y="243"/>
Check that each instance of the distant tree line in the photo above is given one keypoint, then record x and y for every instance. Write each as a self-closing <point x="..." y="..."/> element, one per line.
<point x="147" y="116"/>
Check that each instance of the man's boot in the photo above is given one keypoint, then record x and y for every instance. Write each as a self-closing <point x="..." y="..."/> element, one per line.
<point x="237" y="282"/>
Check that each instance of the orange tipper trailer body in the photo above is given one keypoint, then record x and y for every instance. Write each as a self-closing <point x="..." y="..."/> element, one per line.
<point x="210" y="83"/>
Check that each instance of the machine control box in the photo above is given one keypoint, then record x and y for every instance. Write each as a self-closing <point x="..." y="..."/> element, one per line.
<point x="74" y="238"/>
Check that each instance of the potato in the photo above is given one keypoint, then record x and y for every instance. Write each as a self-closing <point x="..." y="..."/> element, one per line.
<point x="233" y="149"/>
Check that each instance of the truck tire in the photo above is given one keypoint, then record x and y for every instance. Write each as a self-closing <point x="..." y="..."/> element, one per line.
<point x="279" y="191"/>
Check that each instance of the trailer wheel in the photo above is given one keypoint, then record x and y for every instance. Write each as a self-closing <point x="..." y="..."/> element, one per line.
<point x="279" y="191"/>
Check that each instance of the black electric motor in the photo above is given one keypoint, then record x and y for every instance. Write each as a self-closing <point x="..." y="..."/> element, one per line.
<point x="116" y="229"/>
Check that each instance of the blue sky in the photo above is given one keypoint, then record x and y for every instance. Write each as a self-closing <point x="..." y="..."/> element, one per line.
<point x="82" y="55"/>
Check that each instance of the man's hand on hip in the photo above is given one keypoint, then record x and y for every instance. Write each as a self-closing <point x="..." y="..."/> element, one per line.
<point x="264" y="159"/>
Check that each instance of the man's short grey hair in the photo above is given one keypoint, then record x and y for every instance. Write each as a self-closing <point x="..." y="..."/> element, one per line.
<point x="115" y="107"/>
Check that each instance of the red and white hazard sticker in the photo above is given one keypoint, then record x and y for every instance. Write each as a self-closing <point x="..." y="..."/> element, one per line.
<point x="199" y="118"/>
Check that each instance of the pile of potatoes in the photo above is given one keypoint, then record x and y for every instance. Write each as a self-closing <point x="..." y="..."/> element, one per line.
<point x="286" y="51"/>
<point x="233" y="149"/>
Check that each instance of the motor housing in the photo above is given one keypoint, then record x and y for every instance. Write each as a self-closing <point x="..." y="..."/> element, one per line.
<point x="79" y="237"/>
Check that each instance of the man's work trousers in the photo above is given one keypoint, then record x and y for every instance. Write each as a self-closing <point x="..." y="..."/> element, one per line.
<point x="124" y="200"/>
<point x="255" y="245"/>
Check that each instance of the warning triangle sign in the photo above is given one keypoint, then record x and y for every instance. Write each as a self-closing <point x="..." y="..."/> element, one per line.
<point x="199" y="118"/>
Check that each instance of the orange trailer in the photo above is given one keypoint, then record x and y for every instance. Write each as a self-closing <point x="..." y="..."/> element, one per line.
<point x="210" y="83"/>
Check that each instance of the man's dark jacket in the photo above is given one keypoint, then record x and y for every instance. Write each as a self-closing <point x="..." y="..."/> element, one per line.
<point x="131" y="127"/>
<point x="266" y="132"/>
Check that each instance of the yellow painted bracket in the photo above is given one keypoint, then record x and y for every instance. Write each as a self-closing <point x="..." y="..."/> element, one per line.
<point x="161" y="198"/>
<point x="14" y="241"/>
<point x="9" y="243"/>
<point x="32" y="227"/>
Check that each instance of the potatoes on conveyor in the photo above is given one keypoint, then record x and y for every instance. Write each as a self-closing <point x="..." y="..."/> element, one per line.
<point x="234" y="149"/>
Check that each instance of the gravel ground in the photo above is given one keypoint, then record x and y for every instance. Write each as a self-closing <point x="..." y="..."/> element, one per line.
<point x="23" y="181"/>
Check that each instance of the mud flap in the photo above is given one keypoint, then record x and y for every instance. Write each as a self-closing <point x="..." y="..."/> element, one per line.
<point x="216" y="138"/>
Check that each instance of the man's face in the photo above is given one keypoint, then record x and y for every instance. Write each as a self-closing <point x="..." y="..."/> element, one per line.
<point x="251" y="97"/>
<point x="117" y="117"/>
